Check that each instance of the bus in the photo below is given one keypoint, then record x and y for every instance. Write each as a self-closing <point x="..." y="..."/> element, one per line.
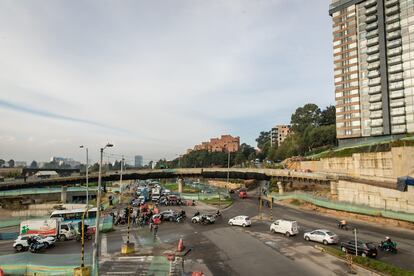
<point x="74" y="216"/>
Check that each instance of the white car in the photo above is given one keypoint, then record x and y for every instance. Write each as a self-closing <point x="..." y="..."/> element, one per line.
<point x="21" y="243"/>
<point x="240" y="221"/>
<point x="287" y="227"/>
<point x="321" y="235"/>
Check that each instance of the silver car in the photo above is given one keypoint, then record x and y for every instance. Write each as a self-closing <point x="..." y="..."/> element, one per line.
<point x="321" y="235"/>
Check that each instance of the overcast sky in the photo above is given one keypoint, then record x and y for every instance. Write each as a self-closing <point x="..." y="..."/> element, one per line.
<point x="155" y="77"/>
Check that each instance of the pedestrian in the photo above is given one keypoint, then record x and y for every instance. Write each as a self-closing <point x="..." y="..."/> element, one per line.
<point x="134" y="219"/>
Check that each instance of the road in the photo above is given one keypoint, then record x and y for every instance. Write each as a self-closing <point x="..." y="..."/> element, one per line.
<point x="224" y="250"/>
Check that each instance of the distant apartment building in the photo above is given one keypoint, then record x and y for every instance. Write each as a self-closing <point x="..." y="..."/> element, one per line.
<point x="20" y="164"/>
<point x="373" y="47"/>
<point x="139" y="161"/>
<point x="226" y="143"/>
<point x="279" y="133"/>
<point x="67" y="161"/>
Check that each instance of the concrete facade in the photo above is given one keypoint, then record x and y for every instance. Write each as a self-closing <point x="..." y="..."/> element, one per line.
<point x="377" y="197"/>
<point x="379" y="165"/>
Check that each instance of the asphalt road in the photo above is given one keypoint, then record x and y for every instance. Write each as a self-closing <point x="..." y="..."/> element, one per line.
<point x="227" y="250"/>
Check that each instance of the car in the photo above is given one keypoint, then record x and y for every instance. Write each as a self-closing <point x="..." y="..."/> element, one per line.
<point x="365" y="249"/>
<point x="240" y="221"/>
<point x="287" y="227"/>
<point x="205" y="219"/>
<point x="169" y="215"/>
<point x="321" y="235"/>
<point x="21" y="243"/>
<point x="242" y="194"/>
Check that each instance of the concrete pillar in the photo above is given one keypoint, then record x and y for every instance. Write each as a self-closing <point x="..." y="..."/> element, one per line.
<point x="64" y="194"/>
<point x="180" y="185"/>
<point x="280" y="186"/>
<point x="334" y="188"/>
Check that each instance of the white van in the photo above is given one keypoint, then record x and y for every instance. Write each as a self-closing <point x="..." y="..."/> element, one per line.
<point x="287" y="227"/>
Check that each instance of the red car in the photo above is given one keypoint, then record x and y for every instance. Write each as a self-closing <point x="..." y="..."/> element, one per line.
<point x="243" y="194"/>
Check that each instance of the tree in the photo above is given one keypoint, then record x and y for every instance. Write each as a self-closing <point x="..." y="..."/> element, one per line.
<point x="308" y="115"/>
<point x="263" y="139"/>
<point x="2" y="162"/>
<point x="328" y="116"/>
<point x="33" y="164"/>
<point x="11" y="163"/>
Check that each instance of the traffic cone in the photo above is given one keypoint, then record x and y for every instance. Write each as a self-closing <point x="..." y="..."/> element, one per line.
<point x="180" y="245"/>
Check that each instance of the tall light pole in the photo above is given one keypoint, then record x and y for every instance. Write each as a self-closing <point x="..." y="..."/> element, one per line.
<point x="87" y="176"/>
<point x="95" y="259"/>
<point x="228" y="166"/>
<point x="120" y="177"/>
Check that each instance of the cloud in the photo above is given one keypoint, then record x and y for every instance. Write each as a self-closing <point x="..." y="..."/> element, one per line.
<point x="156" y="77"/>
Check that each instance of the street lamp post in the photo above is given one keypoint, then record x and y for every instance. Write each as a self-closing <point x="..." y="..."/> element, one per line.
<point x="95" y="259"/>
<point x="87" y="177"/>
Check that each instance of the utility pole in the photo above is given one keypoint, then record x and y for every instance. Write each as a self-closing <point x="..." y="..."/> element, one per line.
<point x="95" y="256"/>
<point x="356" y="242"/>
<point x="87" y="175"/>
<point x="122" y="167"/>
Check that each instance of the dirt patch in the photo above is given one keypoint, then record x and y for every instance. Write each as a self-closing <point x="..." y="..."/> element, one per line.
<point x="341" y="214"/>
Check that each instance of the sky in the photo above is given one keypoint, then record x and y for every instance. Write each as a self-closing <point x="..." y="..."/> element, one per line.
<point x="155" y="77"/>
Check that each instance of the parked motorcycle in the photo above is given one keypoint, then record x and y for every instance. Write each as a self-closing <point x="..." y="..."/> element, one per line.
<point x="389" y="246"/>
<point x="342" y="226"/>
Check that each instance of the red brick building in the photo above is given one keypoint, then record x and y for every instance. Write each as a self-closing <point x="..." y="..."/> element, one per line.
<point x="226" y="143"/>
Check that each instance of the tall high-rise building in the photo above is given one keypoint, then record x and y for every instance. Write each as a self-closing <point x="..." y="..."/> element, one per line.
<point x="373" y="46"/>
<point x="139" y="161"/>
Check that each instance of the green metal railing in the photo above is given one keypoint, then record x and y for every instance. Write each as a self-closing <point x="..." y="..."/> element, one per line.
<point x="342" y="206"/>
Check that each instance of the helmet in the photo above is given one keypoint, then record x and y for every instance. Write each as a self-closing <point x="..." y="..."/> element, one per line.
<point x="387" y="238"/>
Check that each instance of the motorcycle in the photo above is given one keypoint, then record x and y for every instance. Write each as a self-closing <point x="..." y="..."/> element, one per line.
<point x="180" y="218"/>
<point x="88" y="236"/>
<point x="389" y="246"/>
<point x="36" y="247"/>
<point x="121" y="220"/>
<point x="343" y="226"/>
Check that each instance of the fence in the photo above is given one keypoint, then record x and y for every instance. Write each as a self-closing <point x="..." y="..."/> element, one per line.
<point x="36" y="264"/>
<point x="201" y="196"/>
<point x="342" y="206"/>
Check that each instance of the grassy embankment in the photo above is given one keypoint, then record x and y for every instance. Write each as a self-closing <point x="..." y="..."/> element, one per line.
<point x="377" y="265"/>
<point x="174" y="188"/>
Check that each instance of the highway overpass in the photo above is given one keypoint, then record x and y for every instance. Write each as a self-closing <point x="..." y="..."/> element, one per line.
<point x="284" y="176"/>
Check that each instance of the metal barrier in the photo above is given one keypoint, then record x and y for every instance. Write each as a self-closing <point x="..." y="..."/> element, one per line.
<point x="342" y="206"/>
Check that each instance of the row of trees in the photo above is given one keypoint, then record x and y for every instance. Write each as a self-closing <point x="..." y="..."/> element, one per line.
<point x="313" y="130"/>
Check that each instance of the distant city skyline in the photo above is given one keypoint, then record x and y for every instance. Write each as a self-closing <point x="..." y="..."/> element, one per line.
<point x="155" y="77"/>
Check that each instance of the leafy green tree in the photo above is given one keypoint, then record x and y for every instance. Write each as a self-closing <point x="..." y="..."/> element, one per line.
<point x="33" y="164"/>
<point x="308" y="115"/>
<point x="2" y="162"/>
<point x="11" y="163"/>
<point x="328" y="116"/>
<point x="263" y="139"/>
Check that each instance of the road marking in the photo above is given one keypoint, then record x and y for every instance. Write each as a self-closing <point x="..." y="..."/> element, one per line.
<point x="104" y="245"/>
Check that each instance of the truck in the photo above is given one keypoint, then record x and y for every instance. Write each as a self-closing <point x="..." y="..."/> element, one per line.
<point x="155" y="193"/>
<point x="49" y="228"/>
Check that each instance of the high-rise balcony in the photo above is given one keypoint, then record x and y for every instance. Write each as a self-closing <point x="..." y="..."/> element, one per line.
<point x="393" y="18"/>
<point x="396" y="86"/>
<point x="371" y="11"/>
<point x="373" y="74"/>
<point x="373" y="58"/>
<point x="397" y="94"/>
<point x="397" y="129"/>
<point x="372" y="41"/>
<point x="371" y="26"/>
<point x="395" y="69"/>
<point x="377" y="131"/>
<point x="397" y="111"/>
<point x="372" y="50"/>
<point x="374" y="90"/>
<point x="376" y="123"/>
<point x="375" y="98"/>
<point x="375" y="106"/>
<point x="390" y="3"/>
<point x="372" y="33"/>
<point x="373" y="66"/>
<point x="394" y="52"/>
<point x="393" y="26"/>
<point x="370" y="3"/>
<point x="398" y="103"/>
<point x="394" y="35"/>
<point x="398" y="120"/>
<point x="375" y="114"/>
<point x="374" y="82"/>
<point x="394" y="60"/>
<point x="394" y="43"/>
<point x="371" y="18"/>
<point x="392" y="10"/>
<point x="396" y="77"/>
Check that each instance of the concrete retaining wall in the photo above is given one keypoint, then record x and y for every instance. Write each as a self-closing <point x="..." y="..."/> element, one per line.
<point x="378" y="165"/>
<point x="40" y="210"/>
<point x="376" y="197"/>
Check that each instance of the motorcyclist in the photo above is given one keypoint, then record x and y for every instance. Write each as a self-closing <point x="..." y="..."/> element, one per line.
<point x="342" y="224"/>
<point x="197" y="213"/>
<point x="218" y="213"/>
